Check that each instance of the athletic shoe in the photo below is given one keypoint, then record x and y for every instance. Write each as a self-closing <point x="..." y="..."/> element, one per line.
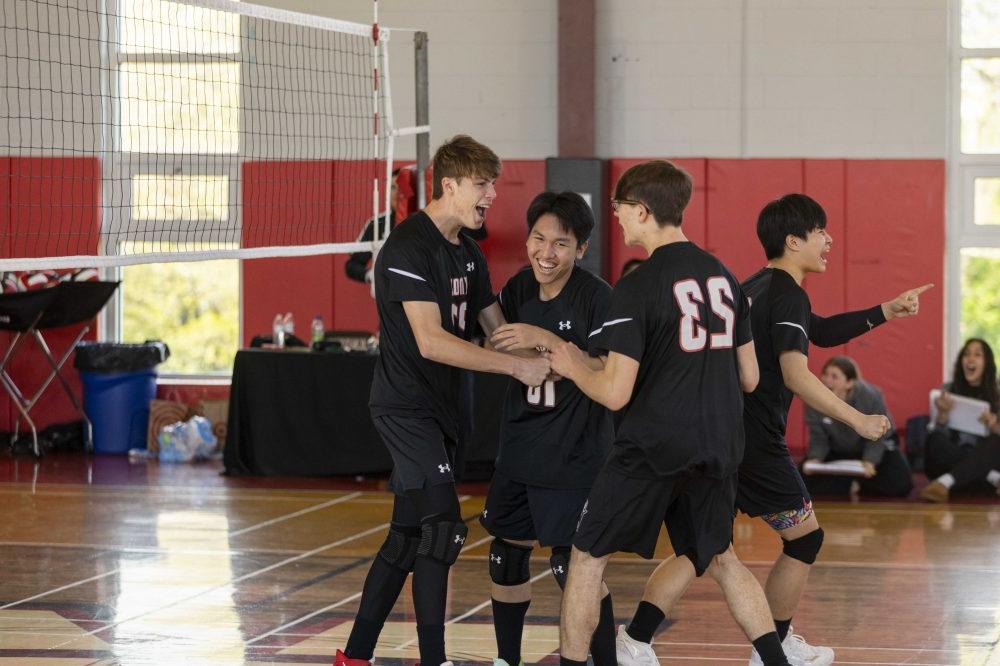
<point x="799" y="653"/>
<point x="632" y="652"/>
<point x="935" y="491"/>
<point x="503" y="662"/>
<point x="343" y="660"/>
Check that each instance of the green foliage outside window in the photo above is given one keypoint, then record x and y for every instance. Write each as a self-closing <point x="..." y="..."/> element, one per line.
<point x="981" y="295"/>
<point x="193" y="307"/>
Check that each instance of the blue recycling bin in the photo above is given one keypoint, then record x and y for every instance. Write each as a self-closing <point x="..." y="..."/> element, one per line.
<point x="117" y="404"/>
<point x="119" y="381"/>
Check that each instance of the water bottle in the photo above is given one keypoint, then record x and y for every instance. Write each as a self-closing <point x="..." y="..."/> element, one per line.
<point x="278" y="332"/>
<point x="317" y="330"/>
<point x="289" y="324"/>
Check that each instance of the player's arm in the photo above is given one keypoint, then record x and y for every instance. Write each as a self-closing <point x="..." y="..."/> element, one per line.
<point x="437" y="344"/>
<point x="841" y="328"/>
<point x="611" y="385"/>
<point x="803" y="383"/>
<point x="746" y="364"/>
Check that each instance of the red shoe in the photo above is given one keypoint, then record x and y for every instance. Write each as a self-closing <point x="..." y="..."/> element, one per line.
<point x="343" y="660"/>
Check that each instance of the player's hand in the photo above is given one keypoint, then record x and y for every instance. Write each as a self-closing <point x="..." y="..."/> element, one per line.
<point x="989" y="419"/>
<point x="944" y="403"/>
<point x="566" y="358"/>
<point x="554" y="377"/>
<point x="906" y="304"/>
<point x="531" y="371"/>
<point x="514" y="337"/>
<point x="872" y="426"/>
<point x="869" y="468"/>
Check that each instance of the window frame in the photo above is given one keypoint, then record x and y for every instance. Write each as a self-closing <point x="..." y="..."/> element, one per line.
<point x="961" y="231"/>
<point x="127" y="165"/>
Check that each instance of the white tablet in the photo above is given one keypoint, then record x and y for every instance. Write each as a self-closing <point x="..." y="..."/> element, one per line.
<point x="964" y="414"/>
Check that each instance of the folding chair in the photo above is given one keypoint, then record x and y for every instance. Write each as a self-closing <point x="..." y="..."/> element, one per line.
<point x="27" y="314"/>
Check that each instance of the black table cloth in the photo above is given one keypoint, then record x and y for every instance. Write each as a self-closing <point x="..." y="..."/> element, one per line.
<point x="306" y="414"/>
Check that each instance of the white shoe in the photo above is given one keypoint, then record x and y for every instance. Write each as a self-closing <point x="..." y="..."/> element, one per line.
<point x="796" y="648"/>
<point x="632" y="652"/>
<point x="503" y="662"/>
<point x="799" y="653"/>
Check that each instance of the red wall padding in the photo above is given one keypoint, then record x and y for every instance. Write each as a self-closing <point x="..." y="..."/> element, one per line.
<point x="48" y="206"/>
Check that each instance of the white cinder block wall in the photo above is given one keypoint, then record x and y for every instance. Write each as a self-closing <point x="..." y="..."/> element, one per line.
<point x="772" y="78"/>
<point x="706" y="78"/>
<point x="493" y="67"/>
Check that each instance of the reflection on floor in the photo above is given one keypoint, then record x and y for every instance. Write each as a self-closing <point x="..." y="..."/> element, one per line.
<point x="111" y="563"/>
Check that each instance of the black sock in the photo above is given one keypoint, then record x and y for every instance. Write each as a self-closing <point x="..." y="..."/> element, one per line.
<point x="382" y="587"/>
<point x="430" y="593"/>
<point x="783" y="626"/>
<point x="768" y="647"/>
<point x="508" y="623"/>
<point x="430" y="637"/>
<point x="645" y="622"/>
<point x="602" y="643"/>
<point x="563" y="661"/>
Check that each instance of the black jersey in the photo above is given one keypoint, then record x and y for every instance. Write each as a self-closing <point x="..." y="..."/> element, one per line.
<point x="681" y="315"/>
<point x="417" y="263"/>
<point x="780" y="314"/>
<point x="553" y="435"/>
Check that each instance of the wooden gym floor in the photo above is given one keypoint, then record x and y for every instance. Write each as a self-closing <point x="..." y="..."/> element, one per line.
<point x="110" y="563"/>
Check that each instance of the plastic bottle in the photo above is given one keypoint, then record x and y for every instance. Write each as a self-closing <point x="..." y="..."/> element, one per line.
<point x="289" y="324"/>
<point x="317" y="330"/>
<point x="278" y="332"/>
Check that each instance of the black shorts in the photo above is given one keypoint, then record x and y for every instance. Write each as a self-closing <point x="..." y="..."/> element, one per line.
<point x="422" y="455"/>
<point x="770" y="484"/>
<point x="523" y="512"/>
<point x="625" y="514"/>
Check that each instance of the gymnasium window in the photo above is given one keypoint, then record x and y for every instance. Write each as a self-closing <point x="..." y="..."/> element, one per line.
<point x="974" y="175"/>
<point x="167" y="55"/>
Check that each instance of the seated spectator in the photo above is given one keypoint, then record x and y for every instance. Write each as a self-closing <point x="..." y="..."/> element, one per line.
<point x="886" y="472"/>
<point x="959" y="461"/>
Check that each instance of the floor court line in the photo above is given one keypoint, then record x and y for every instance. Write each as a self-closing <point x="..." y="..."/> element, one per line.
<point x="295" y="514"/>
<point x="250" y="575"/>
<point x="308" y="616"/>
<point x="60" y="589"/>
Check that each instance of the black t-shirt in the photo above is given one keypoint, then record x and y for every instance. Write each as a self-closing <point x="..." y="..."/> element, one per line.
<point x="417" y="263"/>
<point x="553" y="435"/>
<point x="681" y="315"/>
<point x="780" y="314"/>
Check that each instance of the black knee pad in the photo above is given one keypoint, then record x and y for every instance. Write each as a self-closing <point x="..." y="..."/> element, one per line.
<point x="559" y="561"/>
<point x="442" y="539"/>
<point x="806" y="547"/>
<point x="509" y="563"/>
<point x="400" y="546"/>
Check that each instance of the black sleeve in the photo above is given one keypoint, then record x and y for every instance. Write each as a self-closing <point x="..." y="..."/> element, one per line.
<point x="484" y="286"/>
<point x="841" y="328"/>
<point x="624" y="329"/>
<point x="789" y="322"/>
<point x="510" y="299"/>
<point x="357" y="264"/>
<point x="742" y="305"/>
<point x="408" y="273"/>
<point x="600" y="305"/>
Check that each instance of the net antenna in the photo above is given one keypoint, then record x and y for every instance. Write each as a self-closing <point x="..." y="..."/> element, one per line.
<point x="145" y="131"/>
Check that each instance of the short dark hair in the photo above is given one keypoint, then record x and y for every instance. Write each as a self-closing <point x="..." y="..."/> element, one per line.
<point x="463" y="157"/>
<point x="662" y="187"/>
<point x="845" y="364"/>
<point x="572" y="211"/>
<point x="794" y="214"/>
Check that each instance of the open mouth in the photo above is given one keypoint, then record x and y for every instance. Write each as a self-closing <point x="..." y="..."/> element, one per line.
<point x="546" y="267"/>
<point x="481" y="214"/>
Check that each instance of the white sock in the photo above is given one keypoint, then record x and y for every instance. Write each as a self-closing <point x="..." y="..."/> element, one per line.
<point x="994" y="477"/>
<point x="946" y="480"/>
